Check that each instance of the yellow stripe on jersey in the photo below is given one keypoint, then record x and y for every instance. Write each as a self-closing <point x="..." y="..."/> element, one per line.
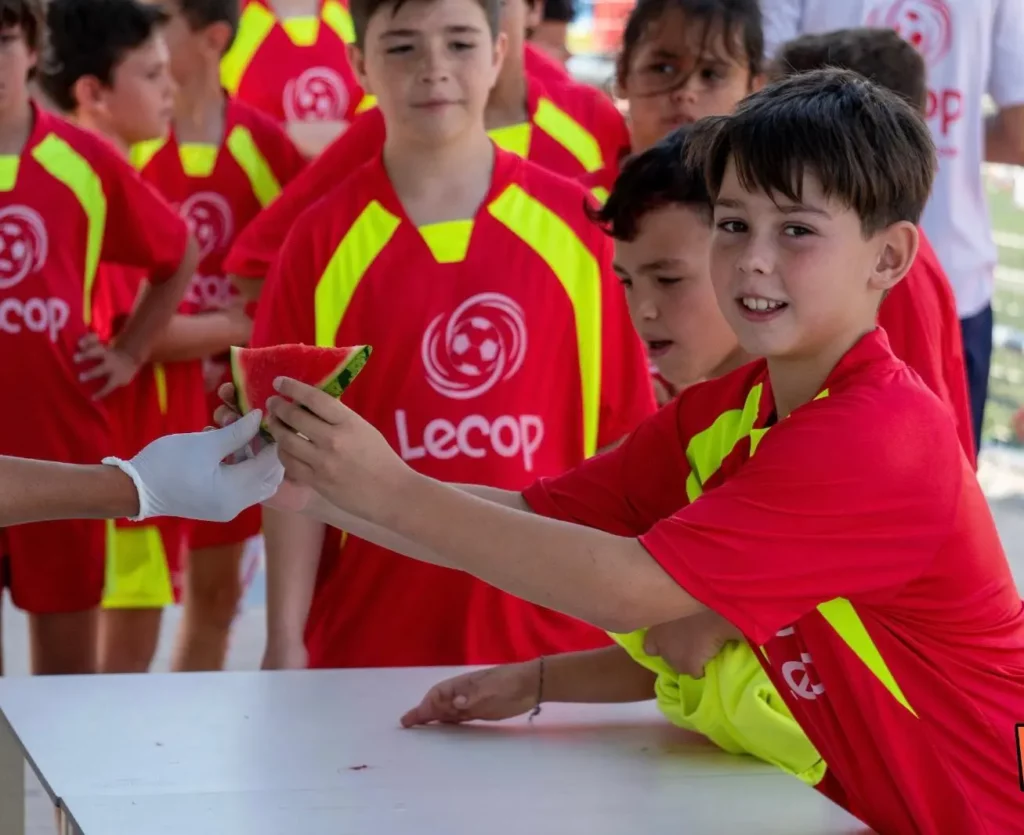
<point x="9" y="164"/>
<point x="368" y="102"/>
<point x="709" y="448"/>
<point x="570" y="134"/>
<point x="160" y="380"/>
<point x="141" y="153"/>
<point x="357" y="251"/>
<point x="254" y="25"/>
<point x="448" y="241"/>
<point x="843" y="618"/>
<point x="198" y="159"/>
<point x="600" y="193"/>
<point x="338" y="18"/>
<point x="66" y="165"/>
<point x="515" y="139"/>
<point x="258" y="171"/>
<point x="580" y="275"/>
<point x="302" y="30"/>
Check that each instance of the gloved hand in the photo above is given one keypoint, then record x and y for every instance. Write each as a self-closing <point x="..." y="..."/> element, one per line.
<point x="183" y="475"/>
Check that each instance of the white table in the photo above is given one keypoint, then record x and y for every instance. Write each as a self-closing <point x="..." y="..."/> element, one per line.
<point x="284" y="754"/>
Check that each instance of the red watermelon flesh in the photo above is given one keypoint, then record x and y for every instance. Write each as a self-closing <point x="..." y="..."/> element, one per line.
<point x="328" y="369"/>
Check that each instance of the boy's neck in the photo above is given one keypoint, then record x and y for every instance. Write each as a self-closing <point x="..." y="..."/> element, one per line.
<point x="507" y="104"/>
<point x="285" y="9"/>
<point x="15" y="128"/>
<point x="85" y="122"/>
<point x="799" y="380"/>
<point x="437" y="184"/>
<point x="199" y="111"/>
<point x="737" y="359"/>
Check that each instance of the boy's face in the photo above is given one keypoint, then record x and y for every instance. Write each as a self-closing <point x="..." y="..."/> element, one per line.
<point x="189" y="50"/>
<point x="795" y="280"/>
<point x="139" y="103"/>
<point x="666" y="272"/>
<point x="431" y="65"/>
<point x="16" y="61"/>
<point x="677" y="74"/>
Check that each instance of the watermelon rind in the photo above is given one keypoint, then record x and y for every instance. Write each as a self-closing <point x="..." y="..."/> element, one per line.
<point x="334" y="383"/>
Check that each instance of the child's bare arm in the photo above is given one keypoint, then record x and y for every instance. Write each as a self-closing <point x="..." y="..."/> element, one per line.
<point x="203" y="335"/>
<point x="600" y="676"/>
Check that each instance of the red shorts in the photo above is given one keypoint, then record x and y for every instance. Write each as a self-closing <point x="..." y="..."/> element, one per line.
<point x="146" y="562"/>
<point x="54" y="567"/>
<point x="242" y="528"/>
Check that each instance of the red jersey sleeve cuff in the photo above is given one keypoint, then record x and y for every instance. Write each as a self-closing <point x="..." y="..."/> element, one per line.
<point x="540" y="501"/>
<point x="669" y="554"/>
<point x="246" y="263"/>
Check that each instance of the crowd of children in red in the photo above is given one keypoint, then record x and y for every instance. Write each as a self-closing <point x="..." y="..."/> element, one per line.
<point x="672" y="408"/>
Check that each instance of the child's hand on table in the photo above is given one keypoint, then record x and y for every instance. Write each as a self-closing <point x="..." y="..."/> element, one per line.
<point x="498" y="693"/>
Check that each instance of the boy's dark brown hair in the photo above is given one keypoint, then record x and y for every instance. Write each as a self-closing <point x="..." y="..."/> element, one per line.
<point x="868" y="147"/>
<point x="658" y="177"/>
<point x="30" y="15"/>
<point x="363" y="10"/>
<point x="739" y="20"/>
<point x="880" y="55"/>
<point x="202" y="13"/>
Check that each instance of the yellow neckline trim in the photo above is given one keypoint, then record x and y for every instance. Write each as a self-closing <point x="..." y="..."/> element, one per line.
<point x="448" y="241"/>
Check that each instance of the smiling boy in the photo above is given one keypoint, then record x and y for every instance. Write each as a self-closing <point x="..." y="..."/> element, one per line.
<point x="818" y="499"/>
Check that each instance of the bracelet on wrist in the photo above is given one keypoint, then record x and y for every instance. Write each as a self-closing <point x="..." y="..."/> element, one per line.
<point x="540" y="688"/>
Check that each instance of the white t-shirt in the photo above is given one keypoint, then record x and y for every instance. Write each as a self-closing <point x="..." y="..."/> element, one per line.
<point x="971" y="47"/>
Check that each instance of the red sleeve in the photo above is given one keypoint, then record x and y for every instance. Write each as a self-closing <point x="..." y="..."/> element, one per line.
<point x="627" y="396"/>
<point x="612" y="135"/>
<point x="626" y="489"/>
<point x="257" y="245"/>
<point x="843" y="498"/>
<point x="142" y="229"/>
<point x="287" y="311"/>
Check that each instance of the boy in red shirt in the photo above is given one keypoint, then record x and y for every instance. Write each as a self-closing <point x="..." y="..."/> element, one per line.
<point x="289" y="60"/>
<point x="818" y="499"/>
<point x="490" y="303"/>
<point x="70" y="202"/>
<point x="222" y="163"/>
<point x="919" y="315"/>
<point x="568" y="128"/>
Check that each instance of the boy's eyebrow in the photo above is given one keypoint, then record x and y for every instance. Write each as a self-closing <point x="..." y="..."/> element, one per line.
<point x="660" y="264"/>
<point x="785" y="208"/>
<point x="410" y="33"/>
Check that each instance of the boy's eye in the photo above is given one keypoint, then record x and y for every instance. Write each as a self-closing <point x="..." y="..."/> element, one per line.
<point x="667" y="280"/>
<point x="660" y="68"/>
<point x="399" y="49"/>
<point x="462" y="46"/>
<point x="734" y="226"/>
<point x="711" y="74"/>
<point x="795" y="231"/>
<point x="625" y="282"/>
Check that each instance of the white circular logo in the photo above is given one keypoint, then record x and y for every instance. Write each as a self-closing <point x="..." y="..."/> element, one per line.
<point x="927" y="25"/>
<point x="23" y="244"/>
<point x="481" y="342"/>
<point x="318" y="95"/>
<point x="798" y="677"/>
<point x="209" y="216"/>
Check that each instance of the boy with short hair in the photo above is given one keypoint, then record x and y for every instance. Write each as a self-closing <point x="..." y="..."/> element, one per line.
<point x="818" y="499"/>
<point x="919" y="314"/>
<point x="509" y="341"/>
<point x="550" y="33"/>
<point x="568" y="128"/>
<point x="222" y="163"/>
<point x="70" y="202"/>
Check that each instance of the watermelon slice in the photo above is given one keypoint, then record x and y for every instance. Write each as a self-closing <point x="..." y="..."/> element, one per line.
<point x="328" y="369"/>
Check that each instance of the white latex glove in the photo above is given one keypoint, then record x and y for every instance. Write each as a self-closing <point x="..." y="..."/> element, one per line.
<point x="183" y="475"/>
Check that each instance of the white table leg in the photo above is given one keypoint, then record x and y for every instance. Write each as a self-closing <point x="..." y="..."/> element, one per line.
<point x="12" y="783"/>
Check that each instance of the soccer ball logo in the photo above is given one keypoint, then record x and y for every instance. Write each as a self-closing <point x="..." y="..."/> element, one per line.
<point x="23" y="244"/>
<point x="482" y="342"/>
<point x="318" y="95"/>
<point x="209" y="216"/>
<point x="927" y="25"/>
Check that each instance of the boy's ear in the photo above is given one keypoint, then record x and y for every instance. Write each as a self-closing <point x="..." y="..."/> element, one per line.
<point x="757" y="81"/>
<point x="357" y="60"/>
<point x="88" y="93"/>
<point x="898" y="250"/>
<point x="534" y="14"/>
<point x="500" y="51"/>
<point x="217" y="37"/>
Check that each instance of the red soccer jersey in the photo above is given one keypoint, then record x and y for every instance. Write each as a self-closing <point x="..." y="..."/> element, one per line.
<point x="548" y="141"/>
<point x="219" y="190"/>
<point x="508" y="355"/>
<point x="542" y="66"/>
<point x="852" y="545"/>
<point x="295" y="70"/>
<point x="70" y="201"/>
<point x="920" y="318"/>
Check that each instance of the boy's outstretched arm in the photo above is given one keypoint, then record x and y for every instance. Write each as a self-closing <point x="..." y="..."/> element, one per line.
<point x="607" y="580"/>
<point x="202" y="335"/>
<point x="600" y="676"/>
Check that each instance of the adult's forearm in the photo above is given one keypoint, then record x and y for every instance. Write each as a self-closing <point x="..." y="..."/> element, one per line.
<point x="41" y="491"/>
<point x="196" y="337"/>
